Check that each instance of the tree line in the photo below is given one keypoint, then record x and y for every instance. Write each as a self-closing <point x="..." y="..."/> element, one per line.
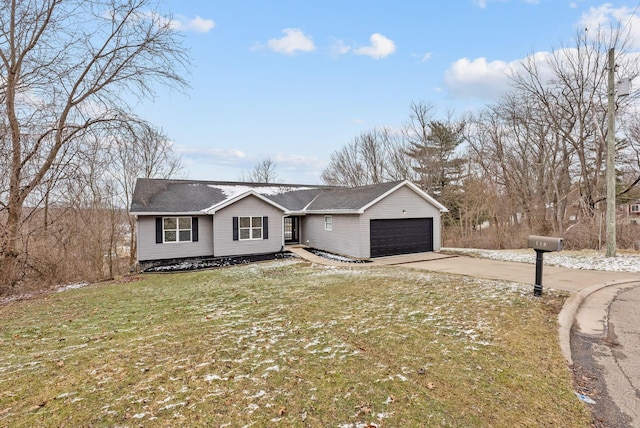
<point x="69" y="146"/>
<point x="531" y="163"/>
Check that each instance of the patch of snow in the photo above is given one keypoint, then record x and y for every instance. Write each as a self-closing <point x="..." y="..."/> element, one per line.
<point x="232" y="191"/>
<point x="173" y="405"/>
<point x="72" y="286"/>
<point x="252" y="408"/>
<point x="259" y="394"/>
<point x="15" y="298"/>
<point x="573" y="260"/>
<point x="211" y="377"/>
<point x="383" y="415"/>
<point x="334" y="257"/>
<point x="359" y="425"/>
<point x="275" y="368"/>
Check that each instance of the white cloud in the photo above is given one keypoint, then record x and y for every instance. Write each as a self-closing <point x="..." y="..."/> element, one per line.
<point x="605" y="19"/>
<point x="424" y="57"/>
<point x="235" y="157"/>
<point x="379" y="48"/>
<point x="293" y="41"/>
<point x="197" y="24"/>
<point x="339" y="47"/>
<point x="211" y="154"/>
<point x="482" y="4"/>
<point x="289" y="160"/>
<point x="488" y="80"/>
<point x="478" y="78"/>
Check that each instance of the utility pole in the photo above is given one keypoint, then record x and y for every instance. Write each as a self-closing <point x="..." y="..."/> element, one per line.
<point x="611" y="156"/>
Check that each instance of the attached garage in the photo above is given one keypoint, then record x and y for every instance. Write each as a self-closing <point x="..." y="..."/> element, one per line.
<point x="390" y="237"/>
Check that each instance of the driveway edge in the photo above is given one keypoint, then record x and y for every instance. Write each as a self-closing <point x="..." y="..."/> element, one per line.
<point x="567" y="315"/>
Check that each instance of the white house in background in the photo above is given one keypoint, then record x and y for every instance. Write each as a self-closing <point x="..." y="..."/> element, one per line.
<point x="187" y="219"/>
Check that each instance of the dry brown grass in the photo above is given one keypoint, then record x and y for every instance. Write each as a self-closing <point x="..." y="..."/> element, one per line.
<point x="287" y="344"/>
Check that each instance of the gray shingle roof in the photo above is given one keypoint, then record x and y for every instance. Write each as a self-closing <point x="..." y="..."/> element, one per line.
<point x="191" y="196"/>
<point x="155" y="196"/>
<point x="353" y="198"/>
<point x="295" y="200"/>
<point x="173" y="196"/>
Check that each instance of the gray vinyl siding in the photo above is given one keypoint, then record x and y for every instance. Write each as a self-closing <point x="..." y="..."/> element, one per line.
<point x="350" y="234"/>
<point x="344" y="238"/>
<point x="250" y="206"/>
<point x="392" y="206"/>
<point x="149" y="250"/>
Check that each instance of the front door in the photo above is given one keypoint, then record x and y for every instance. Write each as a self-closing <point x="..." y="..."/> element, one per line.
<point x="291" y="230"/>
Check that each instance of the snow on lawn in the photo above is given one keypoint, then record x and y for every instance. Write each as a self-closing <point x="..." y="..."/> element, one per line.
<point x="587" y="260"/>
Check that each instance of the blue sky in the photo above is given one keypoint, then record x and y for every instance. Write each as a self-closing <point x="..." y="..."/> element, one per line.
<point x="297" y="80"/>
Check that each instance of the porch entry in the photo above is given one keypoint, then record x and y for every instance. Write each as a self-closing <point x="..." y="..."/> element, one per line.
<point x="291" y="230"/>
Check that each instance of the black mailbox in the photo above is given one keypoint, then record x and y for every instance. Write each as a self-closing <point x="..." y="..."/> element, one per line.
<point x="545" y="243"/>
<point x="542" y="244"/>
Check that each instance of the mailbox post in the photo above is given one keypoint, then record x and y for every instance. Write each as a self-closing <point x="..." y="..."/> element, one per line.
<point x="542" y="244"/>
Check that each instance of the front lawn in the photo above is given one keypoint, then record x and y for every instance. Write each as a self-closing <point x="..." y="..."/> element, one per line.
<point x="288" y="344"/>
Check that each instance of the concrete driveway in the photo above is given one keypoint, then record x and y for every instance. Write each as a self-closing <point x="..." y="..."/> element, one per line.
<point x="559" y="278"/>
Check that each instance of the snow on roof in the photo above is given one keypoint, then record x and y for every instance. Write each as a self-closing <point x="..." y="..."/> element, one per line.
<point x="234" y="190"/>
<point x="231" y="191"/>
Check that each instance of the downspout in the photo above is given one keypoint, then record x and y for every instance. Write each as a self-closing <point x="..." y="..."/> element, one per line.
<point x="282" y="233"/>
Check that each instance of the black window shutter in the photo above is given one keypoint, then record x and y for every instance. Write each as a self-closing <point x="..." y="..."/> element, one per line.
<point x="265" y="227"/>
<point x="235" y="228"/>
<point x="158" y="230"/>
<point x="194" y="229"/>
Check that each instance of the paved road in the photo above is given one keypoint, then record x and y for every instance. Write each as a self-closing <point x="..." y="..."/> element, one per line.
<point x="607" y="357"/>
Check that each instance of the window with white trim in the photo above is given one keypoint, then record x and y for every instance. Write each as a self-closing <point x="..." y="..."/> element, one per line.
<point x="635" y="208"/>
<point x="250" y="228"/>
<point x="176" y="229"/>
<point x="328" y="222"/>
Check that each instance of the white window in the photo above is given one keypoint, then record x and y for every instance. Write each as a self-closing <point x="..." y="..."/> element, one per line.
<point x="176" y="229"/>
<point x="250" y="228"/>
<point x="635" y="208"/>
<point x="328" y="222"/>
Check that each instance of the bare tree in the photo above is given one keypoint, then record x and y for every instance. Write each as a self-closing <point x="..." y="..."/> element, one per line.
<point x="372" y="157"/>
<point x="345" y="167"/>
<point x="263" y="172"/>
<point x="629" y="161"/>
<point x="65" y="67"/>
<point x="569" y="88"/>
<point x="138" y="150"/>
<point x="528" y="161"/>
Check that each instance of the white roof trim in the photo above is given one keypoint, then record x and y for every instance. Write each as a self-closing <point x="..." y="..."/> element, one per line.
<point x="212" y="209"/>
<point x="304" y="209"/>
<point x="413" y="187"/>
<point x="335" y="211"/>
<point x="167" y="214"/>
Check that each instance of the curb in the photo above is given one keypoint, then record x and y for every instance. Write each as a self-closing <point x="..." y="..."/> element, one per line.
<point x="567" y="315"/>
